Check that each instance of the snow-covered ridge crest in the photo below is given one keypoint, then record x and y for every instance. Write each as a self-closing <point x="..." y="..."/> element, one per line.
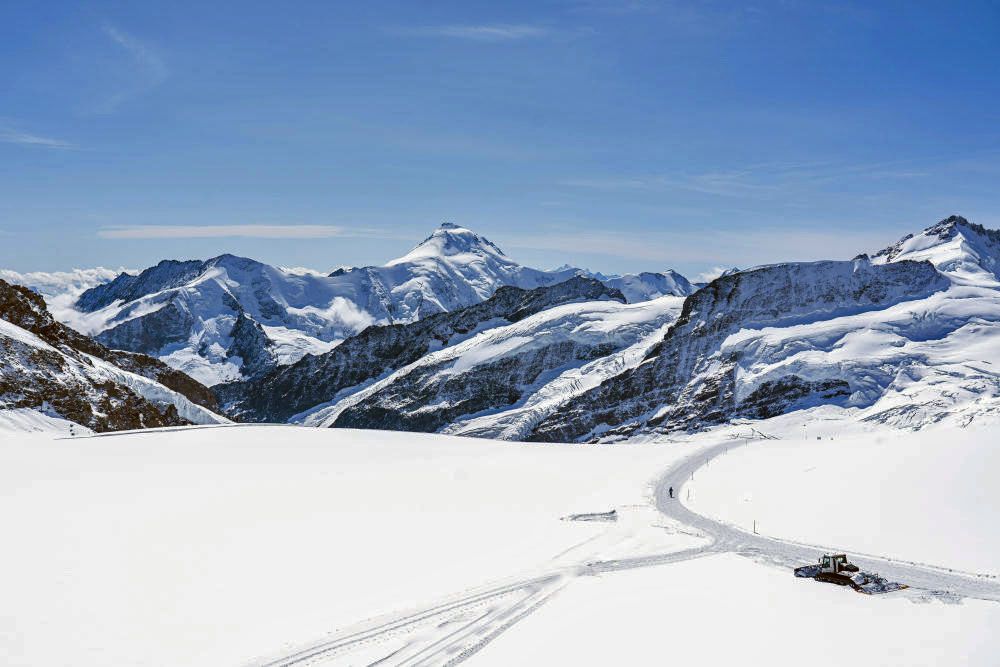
<point x="186" y="312"/>
<point x="963" y="250"/>
<point x="689" y="380"/>
<point x="450" y="240"/>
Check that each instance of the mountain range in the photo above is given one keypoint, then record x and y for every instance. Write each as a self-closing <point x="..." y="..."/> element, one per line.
<point x="231" y="318"/>
<point x="456" y="337"/>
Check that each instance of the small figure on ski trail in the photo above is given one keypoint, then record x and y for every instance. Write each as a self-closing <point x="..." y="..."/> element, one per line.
<point x="671" y="491"/>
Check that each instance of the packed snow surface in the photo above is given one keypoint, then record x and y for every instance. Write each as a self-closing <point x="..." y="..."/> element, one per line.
<point x="927" y="495"/>
<point x="243" y="544"/>
<point x="728" y="610"/>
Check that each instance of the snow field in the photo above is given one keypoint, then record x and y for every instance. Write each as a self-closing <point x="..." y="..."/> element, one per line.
<point x="211" y="546"/>
<point x="728" y="610"/>
<point x="927" y="496"/>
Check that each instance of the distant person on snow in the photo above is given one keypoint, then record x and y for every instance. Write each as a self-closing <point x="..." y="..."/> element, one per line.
<point x="671" y="491"/>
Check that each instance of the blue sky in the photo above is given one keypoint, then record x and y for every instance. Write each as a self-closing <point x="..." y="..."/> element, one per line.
<point x="618" y="135"/>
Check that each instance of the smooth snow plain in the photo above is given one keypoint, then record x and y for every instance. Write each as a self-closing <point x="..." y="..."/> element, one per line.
<point x="216" y="545"/>
<point x="226" y="545"/>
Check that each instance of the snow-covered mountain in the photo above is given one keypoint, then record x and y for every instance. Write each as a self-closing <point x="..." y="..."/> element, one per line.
<point x="502" y="381"/>
<point x="52" y="369"/>
<point x="648" y="285"/>
<point x="378" y="350"/>
<point x="907" y="339"/>
<point x="455" y="337"/>
<point x="186" y="313"/>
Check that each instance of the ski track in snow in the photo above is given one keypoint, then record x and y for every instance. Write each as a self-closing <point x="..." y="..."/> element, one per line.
<point x="454" y="629"/>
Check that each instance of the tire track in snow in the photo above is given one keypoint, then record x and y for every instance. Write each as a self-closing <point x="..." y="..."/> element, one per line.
<point x="484" y="614"/>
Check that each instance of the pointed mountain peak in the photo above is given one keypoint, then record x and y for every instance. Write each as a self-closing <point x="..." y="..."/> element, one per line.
<point x="953" y="245"/>
<point x="946" y="228"/>
<point x="450" y="240"/>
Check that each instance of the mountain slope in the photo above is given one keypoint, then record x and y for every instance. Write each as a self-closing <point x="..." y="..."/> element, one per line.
<point x="690" y="379"/>
<point x="378" y="350"/>
<point x="646" y="285"/>
<point x="502" y="380"/>
<point x="46" y="366"/>
<point x="185" y="313"/>
<point x="907" y="339"/>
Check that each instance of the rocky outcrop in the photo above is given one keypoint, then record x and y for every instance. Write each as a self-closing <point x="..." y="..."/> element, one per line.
<point x="254" y="349"/>
<point x="169" y="325"/>
<point x="47" y="366"/>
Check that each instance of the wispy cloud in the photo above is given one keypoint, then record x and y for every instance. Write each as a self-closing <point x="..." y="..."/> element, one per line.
<point x="758" y="181"/>
<point x="150" y="70"/>
<point x="225" y="231"/>
<point x="725" y="184"/>
<point x="496" y="32"/>
<point x="709" y="275"/>
<point x="721" y="248"/>
<point x="10" y="135"/>
<point x="616" y="6"/>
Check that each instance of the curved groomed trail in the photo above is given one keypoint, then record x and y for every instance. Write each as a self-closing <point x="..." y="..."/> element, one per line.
<point x="454" y="629"/>
<point x="727" y="538"/>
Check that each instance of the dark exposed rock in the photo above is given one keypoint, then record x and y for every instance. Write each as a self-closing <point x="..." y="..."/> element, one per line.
<point x="429" y="399"/>
<point x="152" y="332"/>
<point x="378" y="350"/>
<point x="252" y="346"/>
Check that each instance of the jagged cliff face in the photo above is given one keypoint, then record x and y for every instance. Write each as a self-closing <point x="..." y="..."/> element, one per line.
<point x="377" y="351"/>
<point x="690" y="379"/>
<point x="49" y="367"/>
